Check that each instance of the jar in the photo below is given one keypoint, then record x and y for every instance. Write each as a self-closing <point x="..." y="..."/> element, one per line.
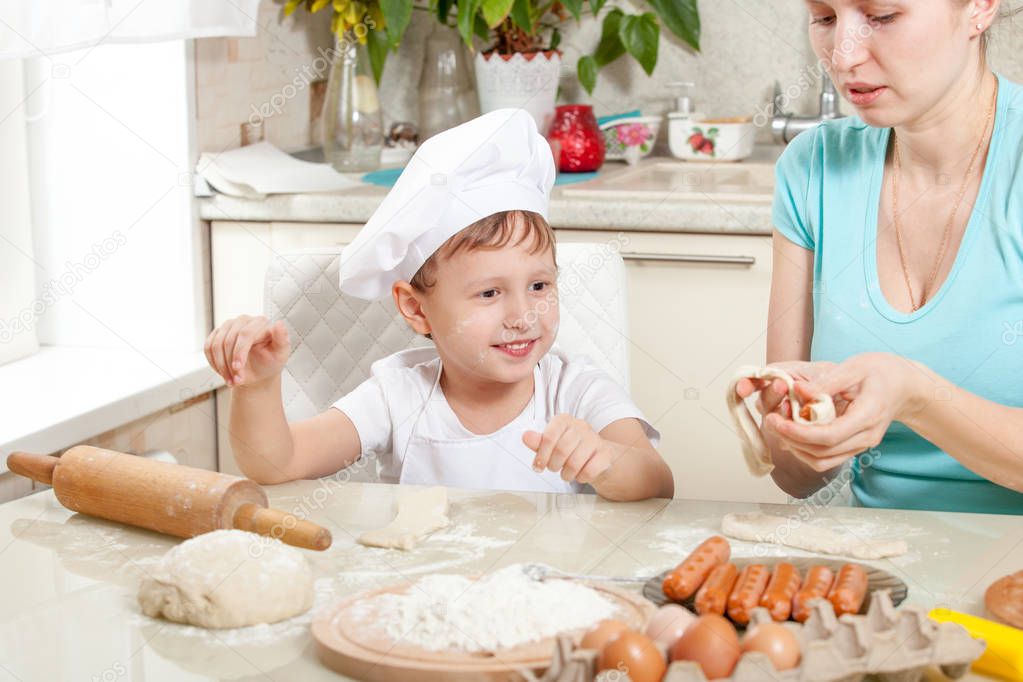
<point x="576" y="139"/>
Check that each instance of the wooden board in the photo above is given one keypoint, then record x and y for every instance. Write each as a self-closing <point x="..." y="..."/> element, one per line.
<point x="877" y="579"/>
<point x="346" y="645"/>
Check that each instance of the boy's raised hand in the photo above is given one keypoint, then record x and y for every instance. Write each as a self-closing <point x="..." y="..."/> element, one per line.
<point x="571" y="446"/>
<point x="247" y="350"/>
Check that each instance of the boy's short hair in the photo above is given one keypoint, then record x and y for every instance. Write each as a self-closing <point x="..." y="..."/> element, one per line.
<point x="493" y="232"/>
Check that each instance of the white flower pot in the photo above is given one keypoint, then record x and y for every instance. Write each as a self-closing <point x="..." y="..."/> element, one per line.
<point x="521" y="81"/>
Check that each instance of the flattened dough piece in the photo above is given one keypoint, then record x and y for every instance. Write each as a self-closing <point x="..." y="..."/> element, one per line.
<point x="758" y="527"/>
<point x="419" y="514"/>
<point x="754" y="449"/>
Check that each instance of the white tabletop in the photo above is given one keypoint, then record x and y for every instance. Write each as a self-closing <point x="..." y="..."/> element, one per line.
<point x="68" y="608"/>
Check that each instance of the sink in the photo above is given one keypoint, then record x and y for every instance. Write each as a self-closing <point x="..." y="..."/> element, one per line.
<point x="751" y="180"/>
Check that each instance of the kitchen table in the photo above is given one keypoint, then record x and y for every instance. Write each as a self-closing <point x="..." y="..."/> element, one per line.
<point x="68" y="609"/>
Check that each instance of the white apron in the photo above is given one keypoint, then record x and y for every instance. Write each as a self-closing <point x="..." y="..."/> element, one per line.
<point x="497" y="461"/>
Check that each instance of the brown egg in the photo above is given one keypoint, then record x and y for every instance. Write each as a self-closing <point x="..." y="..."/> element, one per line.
<point x="668" y="623"/>
<point x="597" y="636"/>
<point x="635" y="655"/>
<point x="712" y="642"/>
<point x="775" y="640"/>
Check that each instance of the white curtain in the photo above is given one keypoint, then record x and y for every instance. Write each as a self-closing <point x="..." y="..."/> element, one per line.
<point x="35" y="28"/>
<point x="17" y="262"/>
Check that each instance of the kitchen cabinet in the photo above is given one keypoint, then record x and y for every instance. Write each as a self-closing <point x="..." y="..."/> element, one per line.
<point x="697" y="311"/>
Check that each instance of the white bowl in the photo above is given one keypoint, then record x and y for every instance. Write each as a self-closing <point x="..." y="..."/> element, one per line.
<point x="706" y="139"/>
<point x="630" y="139"/>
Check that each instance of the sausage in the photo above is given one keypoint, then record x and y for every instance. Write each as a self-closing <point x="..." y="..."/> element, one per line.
<point x="817" y="586"/>
<point x="687" y="577"/>
<point x="777" y="598"/>
<point x="849" y="590"/>
<point x="713" y="596"/>
<point x="746" y="594"/>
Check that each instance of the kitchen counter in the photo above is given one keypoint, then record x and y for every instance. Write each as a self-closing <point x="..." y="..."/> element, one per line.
<point x="68" y="609"/>
<point x="631" y="208"/>
<point x="91" y="390"/>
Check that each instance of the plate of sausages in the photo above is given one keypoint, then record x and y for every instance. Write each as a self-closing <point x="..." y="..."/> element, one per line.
<point x="710" y="581"/>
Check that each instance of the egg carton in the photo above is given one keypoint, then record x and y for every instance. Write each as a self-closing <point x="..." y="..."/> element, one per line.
<point x="894" y="645"/>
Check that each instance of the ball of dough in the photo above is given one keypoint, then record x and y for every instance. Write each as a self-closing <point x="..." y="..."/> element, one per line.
<point x="228" y="579"/>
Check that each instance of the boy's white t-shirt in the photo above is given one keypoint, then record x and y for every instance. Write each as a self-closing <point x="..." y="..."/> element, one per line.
<point x="403" y="419"/>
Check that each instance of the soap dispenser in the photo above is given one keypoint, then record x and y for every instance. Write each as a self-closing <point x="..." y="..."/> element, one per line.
<point x="683" y="103"/>
<point x="681" y="121"/>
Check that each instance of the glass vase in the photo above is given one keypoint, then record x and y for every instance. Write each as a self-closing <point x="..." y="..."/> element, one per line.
<point x="446" y="93"/>
<point x="352" y="121"/>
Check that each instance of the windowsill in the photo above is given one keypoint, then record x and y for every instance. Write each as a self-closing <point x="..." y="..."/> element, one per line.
<point x="63" y="395"/>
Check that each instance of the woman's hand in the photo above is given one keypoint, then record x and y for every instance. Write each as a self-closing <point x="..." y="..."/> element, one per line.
<point x="248" y="350"/>
<point x="772" y="393"/>
<point x="870" y="392"/>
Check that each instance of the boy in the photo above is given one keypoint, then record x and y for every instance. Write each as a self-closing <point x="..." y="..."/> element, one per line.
<point x="462" y="245"/>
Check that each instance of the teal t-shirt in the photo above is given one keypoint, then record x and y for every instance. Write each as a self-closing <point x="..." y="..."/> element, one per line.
<point x="970" y="331"/>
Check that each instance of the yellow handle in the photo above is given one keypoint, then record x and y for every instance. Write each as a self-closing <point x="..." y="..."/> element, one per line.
<point x="1004" y="654"/>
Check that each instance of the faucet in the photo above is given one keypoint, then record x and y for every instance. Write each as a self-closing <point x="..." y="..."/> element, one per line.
<point x="784" y="126"/>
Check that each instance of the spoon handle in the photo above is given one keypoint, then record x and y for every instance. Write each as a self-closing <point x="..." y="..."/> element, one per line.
<point x="605" y="578"/>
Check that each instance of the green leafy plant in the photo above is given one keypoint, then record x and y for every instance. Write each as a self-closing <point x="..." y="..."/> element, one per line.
<point x="517" y="26"/>
<point x="535" y="25"/>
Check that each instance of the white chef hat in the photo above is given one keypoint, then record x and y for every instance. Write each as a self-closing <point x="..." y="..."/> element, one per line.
<point x="496" y="162"/>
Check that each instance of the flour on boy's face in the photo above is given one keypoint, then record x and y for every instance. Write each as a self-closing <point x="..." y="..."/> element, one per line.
<point x="494" y="311"/>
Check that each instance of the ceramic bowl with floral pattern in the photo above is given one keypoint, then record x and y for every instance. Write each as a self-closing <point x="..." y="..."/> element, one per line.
<point x="630" y="139"/>
<point x="703" y="139"/>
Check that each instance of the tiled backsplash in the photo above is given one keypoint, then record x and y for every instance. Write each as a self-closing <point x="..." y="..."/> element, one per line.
<point x="270" y="74"/>
<point x="747" y="45"/>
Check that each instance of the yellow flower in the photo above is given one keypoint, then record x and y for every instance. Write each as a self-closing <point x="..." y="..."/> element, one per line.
<point x="354" y="13"/>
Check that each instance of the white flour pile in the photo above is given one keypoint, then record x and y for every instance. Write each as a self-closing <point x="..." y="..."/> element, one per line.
<point x="503" y="609"/>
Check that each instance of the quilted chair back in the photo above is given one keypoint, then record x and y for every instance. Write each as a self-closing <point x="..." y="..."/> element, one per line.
<point x="335" y="338"/>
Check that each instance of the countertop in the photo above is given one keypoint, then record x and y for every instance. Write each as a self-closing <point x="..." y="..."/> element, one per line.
<point x="633" y="208"/>
<point x="70" y="393"/>
<point x="68" y="609"/>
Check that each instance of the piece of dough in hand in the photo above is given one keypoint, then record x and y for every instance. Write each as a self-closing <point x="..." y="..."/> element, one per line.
<point x="228" y="579"/>
<point x="758" y="456"/>
<point x="419" y="514"/>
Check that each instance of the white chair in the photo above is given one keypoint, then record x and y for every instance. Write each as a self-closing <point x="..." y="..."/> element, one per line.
<point x="335" y="337"/>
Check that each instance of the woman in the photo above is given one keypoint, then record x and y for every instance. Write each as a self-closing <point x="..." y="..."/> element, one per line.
<point x="899" y="256"/>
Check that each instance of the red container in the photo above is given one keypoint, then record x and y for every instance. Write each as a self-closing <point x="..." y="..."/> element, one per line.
<point x="576" y="139"/>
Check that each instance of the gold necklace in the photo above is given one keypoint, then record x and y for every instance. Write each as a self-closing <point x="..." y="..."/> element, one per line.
<point x="951" y="220"/>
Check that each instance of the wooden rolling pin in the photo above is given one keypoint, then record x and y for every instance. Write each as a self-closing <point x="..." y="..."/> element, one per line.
<point x="168" y="498"/>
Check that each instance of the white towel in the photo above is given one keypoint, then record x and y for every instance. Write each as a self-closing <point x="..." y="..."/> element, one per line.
<point x="260" y="169"/>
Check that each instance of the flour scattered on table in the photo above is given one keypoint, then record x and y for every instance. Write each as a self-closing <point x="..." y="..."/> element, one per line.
<point x="465" y="534"/>
<point x="356" y="568"/>
<point x="679" y="540"/>
<point x="500" y="610"/>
